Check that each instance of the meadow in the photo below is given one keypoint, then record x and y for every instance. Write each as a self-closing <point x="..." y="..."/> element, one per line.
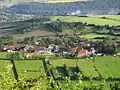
<point x="93" y="35"/>
<point x="32" y="68"/>
<point x="105" y="65"/>
<point x="26" y="68"/>
<point x="112" y="20"/>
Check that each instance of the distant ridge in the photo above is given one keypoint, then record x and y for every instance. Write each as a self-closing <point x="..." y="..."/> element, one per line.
<point x="68" y="8"/>
<point x="58" y="1"/>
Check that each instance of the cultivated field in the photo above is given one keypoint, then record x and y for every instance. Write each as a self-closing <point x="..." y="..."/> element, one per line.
<point x="35" y="33"/>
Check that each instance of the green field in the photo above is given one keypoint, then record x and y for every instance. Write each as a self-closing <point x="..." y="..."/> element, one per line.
<point x="106" y="65"/>
<point x="92" y="36"/>
<point x="113" y="20"/>
<point x="114" y="17"/>
<point x="27" y="68"/>
<point x="3" y="54"/>
<point x="31" y="69"/>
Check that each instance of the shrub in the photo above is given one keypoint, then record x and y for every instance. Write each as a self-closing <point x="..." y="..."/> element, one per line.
<point x="15" y="56"/>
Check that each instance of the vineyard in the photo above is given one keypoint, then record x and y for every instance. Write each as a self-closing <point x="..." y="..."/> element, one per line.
<point x="60" y="73"/>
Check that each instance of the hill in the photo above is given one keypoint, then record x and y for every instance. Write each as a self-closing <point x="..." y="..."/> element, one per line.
<point x="57" y="1"/>
<point x="101" y="24"/>
<point x="68" y="8"/>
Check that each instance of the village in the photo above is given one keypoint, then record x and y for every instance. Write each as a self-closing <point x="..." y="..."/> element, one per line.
<point x="79" y="49"/>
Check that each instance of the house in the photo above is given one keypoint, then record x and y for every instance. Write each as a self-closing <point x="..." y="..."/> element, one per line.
<point x="73" y="50"/>
<point x="11" y="51"/>
<point x="85" y="44"/>
<point x="29" y="48"/>
<point x="40" y="49"/>
<point x="92" y="50"/>
<point x="83" y="52"/>
<point x="8" y="47"/>
<point x="35" y="48"/>
<point x="51" y="48"/>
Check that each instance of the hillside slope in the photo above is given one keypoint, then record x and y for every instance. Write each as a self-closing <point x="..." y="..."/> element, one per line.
<point x="58" y="1"/>
<point x="68" y="8"/>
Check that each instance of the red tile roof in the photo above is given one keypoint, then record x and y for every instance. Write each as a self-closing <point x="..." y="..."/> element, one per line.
<point x="83" y="52"/>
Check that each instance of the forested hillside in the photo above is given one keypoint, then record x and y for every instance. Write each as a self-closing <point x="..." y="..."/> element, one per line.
<point x="68" y="8"/>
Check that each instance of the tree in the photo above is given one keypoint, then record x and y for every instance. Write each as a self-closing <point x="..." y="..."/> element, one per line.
<point x="118" y="13"/>
<point x="111" y="32"/>
<point x="1" y="44"/>
<point x="15" y="56"/>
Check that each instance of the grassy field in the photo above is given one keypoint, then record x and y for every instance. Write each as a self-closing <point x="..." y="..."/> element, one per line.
<point x="109" y="66"/>
<point x="3" y="54"/>
<point x="96" y="19"/>
<point x="92" y="36"/>
<point x="31" y="69"/>
<point x="114" y="17"/>
<point x="34" y="68"/>
<point x="27" y="68"/>
<point x="85" y="65"/>
<point x="106" y="65"/>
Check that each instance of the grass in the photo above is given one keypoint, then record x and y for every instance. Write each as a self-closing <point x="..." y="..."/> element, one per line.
<point x="114" y="17"/>
<point x="92" y="36"/>
<point x="3" y="54"/>
<point x="27" y="68"/>
<point x="106" y="65"/>
<point x="31" y="69"/>
<point x="90" y="19"/>
<point x="85" y="65"/>
<point x="86" y="83"/>
<point x="3" y="65"/>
